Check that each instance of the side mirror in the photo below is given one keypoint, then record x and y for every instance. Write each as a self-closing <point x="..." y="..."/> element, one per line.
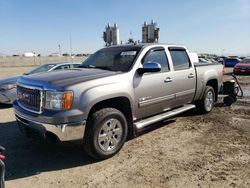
<point x="149" y="67"/>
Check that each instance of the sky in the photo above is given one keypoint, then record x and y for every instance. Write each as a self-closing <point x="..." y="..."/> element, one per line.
<point x="209" y="26"/>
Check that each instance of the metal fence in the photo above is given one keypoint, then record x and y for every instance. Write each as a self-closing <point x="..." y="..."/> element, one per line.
<point x="21" y="61"/>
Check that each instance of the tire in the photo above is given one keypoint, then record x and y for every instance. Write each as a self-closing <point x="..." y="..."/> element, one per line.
<point x="206" y="104"/>
<point x="105" y="133"/>
<point x="2" y="174"/>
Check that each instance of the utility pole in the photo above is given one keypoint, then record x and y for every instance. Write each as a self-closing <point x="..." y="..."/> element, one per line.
<point x="70" y="43"/>
<point x="222" y="52"/>
<point x="59" y="48"/>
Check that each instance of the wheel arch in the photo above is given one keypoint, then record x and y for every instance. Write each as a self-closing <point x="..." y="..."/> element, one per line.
<point x="214" y="84"/>
<point x="120" y="103"/>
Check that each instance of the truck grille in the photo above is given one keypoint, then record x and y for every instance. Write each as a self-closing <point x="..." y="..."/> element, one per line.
<point x="30" y="98"/>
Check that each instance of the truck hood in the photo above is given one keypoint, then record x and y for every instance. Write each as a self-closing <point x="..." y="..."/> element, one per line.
<point x="64" y="78"/>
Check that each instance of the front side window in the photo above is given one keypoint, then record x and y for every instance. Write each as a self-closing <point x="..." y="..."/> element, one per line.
<point x="180" y="59"/>
<point x="157" y="56"/>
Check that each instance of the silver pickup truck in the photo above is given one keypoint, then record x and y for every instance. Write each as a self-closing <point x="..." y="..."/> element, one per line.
<point x="117" y="91"/>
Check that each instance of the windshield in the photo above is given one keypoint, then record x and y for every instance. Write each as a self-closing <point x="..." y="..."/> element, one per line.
<point x="113" y="58"/>
<point x="42" y="68"/>
<point x="245" y="61"/>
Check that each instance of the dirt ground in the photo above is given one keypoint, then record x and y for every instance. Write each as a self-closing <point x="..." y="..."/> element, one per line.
<point x="191" y="150"/>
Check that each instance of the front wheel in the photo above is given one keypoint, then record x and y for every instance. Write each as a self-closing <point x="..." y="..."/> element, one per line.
<point x="206" y="104"/>
<point x="105" y="133"/>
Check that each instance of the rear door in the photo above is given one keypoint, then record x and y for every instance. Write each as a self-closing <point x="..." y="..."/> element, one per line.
<point x="153" y="91"/>
<point x="184" y="77"/>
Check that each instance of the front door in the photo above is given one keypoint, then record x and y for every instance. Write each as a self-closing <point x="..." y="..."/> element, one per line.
<point x="153" y="92"/>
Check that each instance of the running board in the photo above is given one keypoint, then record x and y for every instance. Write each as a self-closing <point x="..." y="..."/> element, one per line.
<point x="146" y="122"/>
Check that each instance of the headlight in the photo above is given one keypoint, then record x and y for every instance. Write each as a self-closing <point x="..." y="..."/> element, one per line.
<point x="8" y="86"/>
<point x="58" y="100"/>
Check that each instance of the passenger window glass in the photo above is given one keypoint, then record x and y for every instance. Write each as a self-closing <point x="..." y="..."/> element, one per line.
<point x="157" y="56"/>
<point x="180" y="59"/>
<point x="76" y="65"/>
<point x="62" y="67"/>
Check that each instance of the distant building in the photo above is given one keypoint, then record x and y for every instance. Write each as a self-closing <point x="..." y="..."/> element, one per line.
<point x="150" y="33"/>
<point x="29" y="54"/>
<point x="111" y="35"/>
<point x="55" y="54"/>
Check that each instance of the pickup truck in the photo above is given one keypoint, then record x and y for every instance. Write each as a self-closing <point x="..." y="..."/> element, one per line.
<point x="116" y="92"/>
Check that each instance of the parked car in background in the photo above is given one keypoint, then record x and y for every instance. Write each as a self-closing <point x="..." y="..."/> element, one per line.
<point x="203" y="60"/>
<point x="242" y="57"/>
<point x="8" y="85"/>
<point x="231" y="61"/>
<point x="220" y="60"/>
<point x="212" y="60"/>
<point x="243" y="67"/>
<point x="2" y="167"/>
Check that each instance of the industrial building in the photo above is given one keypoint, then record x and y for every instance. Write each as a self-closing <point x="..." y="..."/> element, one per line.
<point x="150" y="32"/>
<point x="111" y="35"/>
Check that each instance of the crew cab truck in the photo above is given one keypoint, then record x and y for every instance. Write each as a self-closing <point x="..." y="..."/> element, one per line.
<point x="116" y="91"/>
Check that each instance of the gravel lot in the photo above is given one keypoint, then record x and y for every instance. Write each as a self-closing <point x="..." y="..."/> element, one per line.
<point x="191" y="150"/>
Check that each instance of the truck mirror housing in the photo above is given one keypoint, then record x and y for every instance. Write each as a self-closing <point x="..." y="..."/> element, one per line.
<point x="149" y="67"/>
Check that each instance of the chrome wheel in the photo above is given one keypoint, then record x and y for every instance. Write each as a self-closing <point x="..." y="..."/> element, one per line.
<point x="209" y="101"/>
<point x="110" y="135"/>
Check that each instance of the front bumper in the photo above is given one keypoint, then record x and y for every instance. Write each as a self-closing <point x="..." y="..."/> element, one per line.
<point x="63" y="131"/>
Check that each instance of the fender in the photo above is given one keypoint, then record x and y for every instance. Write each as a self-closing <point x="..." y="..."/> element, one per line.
<point x="100" y="93"/>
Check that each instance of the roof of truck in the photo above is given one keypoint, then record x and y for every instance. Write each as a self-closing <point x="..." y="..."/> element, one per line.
<point x="142" y="45"/>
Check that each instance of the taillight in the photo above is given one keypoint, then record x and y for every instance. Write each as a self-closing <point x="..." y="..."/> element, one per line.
<point x="2" y="157"/>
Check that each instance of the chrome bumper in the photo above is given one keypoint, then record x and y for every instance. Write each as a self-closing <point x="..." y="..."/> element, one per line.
<point x="64" y="132"/>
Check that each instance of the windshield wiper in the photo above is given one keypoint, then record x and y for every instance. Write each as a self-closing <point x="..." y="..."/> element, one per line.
<point x="103" y="68"/>
<point x="95" y="67"/>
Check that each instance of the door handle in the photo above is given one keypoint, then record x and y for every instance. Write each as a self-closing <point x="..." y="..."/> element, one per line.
<point x="191" y="75"/>
<point x="168" y="79"/>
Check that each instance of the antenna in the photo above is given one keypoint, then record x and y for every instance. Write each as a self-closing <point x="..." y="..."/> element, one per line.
<point x="70" y="43"/>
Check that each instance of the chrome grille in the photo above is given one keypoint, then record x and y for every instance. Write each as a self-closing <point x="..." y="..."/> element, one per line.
<point x="30" y="98"/>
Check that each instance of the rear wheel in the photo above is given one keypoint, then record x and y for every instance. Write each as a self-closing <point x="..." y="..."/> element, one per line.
<point x="206" y="104"/>
<point x="105" y="133"/>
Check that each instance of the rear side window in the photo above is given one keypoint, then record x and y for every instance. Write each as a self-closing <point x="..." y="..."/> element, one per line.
<point x="180" y="59"/>
<point x="158" y="56"/>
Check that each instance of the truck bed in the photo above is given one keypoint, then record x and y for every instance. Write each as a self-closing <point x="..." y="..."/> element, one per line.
<point x="202" y="74"/>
